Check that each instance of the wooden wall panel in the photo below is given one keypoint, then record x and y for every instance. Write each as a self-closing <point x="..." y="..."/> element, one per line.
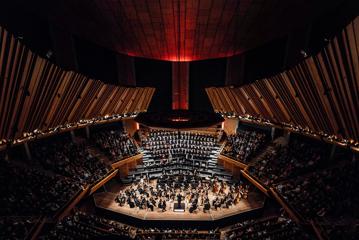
<point x="319" y="95"/>
<point x="38" y="95"/>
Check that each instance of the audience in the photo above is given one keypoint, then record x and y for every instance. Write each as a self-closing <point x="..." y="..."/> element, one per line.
<point x="65" y="169"/>
<point x="278" y="228"/>
<point x="69" y="159"/>
<point x="116" y="144"/>
<point x="87" y="226"/>
<point x="286" y="162"/>
<point x="341" y="232"/>
<point x="326" y="194"/>
<point x="189" y="234"/>
<point x="243" y="145"/>
<point x="31" y="192"/>
<point x="16" y="228"/>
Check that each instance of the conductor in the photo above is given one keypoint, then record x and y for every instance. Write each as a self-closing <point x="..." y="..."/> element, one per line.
<point x="179" y="199"/>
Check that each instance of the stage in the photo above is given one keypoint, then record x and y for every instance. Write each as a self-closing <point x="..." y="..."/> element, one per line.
<point x="106" y="201"/>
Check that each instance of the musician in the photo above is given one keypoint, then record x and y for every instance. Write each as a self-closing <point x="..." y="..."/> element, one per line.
<point x="143" y="202"/>
<point x="131" y="203"/>
<point x="238" y="198"/>
<point x="216" y="203"/>
<point x="207" y="205"/>
<point x="194" y="205"/>
<point x="149" y="205"/>
<point x="163" y="205"/>
<point x="228" y="200"/>
<point x="120" y="199"/>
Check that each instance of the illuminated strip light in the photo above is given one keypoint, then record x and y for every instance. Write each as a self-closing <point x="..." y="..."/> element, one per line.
<point x="350" y="143"/>
<point x="61" y="128"/>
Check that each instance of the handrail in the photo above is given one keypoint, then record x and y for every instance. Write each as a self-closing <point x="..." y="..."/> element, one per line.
<point x="232" y="161"/>
<point x="287" y="207"/>
<point x="256" y="183"/>
<point x="222" y="146"/>
<point x="34" y="233"/>
<point x="70" y="204"/>
<point x="103" y="181"/>
<point x="136" y="143"/>
<point x="62" y="208"/>
<point x="316" y="230"/>
<point x="123" y="161"/>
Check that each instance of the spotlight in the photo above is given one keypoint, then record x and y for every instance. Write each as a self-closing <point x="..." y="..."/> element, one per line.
<point x="303" y="53"/>
<point x="49" y="54"/>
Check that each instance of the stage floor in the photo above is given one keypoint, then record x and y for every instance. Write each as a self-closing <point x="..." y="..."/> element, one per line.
<point x="106" y="200"/>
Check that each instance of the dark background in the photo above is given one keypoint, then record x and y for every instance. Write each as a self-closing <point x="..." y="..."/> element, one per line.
<point x="202" y="74"/>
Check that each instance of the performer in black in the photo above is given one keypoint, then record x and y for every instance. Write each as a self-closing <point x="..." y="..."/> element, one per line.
<point x="207" y="205"/>
<point x="194" y="205"/>
<point x="163" y="205"/>
<point x="179" y="200"/>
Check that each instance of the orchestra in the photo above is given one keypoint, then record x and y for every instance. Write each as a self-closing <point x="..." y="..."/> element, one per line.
<point x="197" y="193"/>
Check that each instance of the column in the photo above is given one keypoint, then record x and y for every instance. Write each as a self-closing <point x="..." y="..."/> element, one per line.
<point x="180" y="85"/>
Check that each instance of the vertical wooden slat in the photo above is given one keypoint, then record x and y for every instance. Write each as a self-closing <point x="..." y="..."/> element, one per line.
<point x="320" y="94"/>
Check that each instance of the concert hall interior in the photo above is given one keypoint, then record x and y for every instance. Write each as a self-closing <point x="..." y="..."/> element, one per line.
<point x="179" y="119"/>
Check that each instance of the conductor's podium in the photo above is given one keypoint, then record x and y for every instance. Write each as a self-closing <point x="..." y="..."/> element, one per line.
<point x="178" y="208"/>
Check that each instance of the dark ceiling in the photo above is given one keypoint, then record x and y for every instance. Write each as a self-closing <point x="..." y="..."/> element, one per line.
<point x="181" y="30"/>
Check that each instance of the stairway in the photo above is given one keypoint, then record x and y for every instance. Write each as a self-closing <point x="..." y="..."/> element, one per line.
<point x="206" y="168"/>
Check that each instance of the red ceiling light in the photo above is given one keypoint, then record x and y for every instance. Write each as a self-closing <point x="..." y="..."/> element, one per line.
<point x="183" y="30"/>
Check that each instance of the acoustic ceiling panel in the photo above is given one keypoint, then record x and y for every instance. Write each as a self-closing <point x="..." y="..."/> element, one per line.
<point x="183" y="30"/>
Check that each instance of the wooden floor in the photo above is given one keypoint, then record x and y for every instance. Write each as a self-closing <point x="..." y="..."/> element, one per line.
<point x="106" y="200"/>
